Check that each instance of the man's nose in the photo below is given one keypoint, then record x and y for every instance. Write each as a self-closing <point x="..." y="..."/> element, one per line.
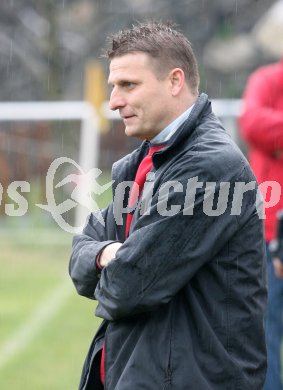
<point x="116" y="100"/>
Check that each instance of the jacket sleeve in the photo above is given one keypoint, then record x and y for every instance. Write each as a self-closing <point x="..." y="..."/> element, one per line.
<point x="163" y="253"/>
<point x="261" y="124"/>
<point x="86" y="247"/>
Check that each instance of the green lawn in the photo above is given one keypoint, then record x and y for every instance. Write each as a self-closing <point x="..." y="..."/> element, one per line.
<point x="45" y="327"/>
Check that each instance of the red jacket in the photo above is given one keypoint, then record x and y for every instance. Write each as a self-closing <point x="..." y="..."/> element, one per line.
<point x="261" y="125"/>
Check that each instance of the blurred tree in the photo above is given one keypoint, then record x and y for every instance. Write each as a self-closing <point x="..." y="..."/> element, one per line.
<point x="45" y="44"/>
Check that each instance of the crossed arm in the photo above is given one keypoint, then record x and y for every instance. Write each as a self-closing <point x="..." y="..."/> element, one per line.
<point x="154" y="263"/>
<point x="109" y="253"/>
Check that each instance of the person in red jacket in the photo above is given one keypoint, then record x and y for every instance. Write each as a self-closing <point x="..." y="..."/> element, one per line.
<point x="261" y="125"/>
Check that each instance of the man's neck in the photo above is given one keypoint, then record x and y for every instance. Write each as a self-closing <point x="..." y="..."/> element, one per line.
<point x="165" y="134"/>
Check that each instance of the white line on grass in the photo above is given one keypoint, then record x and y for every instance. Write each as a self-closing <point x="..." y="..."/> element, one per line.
<point x="39" y="318"/>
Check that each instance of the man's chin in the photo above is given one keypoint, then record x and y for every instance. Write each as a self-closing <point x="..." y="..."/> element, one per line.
<point x="136" y="133"/>
<point x="130" y="132"/>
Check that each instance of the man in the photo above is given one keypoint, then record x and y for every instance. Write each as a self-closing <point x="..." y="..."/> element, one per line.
<point x="179" y="275"/>
<point x="261" y="124"/>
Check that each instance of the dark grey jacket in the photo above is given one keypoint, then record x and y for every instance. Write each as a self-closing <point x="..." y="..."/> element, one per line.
<point x="184" y="299"/>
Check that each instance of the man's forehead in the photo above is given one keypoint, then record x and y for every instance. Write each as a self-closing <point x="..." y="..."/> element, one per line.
<point x="126" y="60"/>
<point x="118" y="73"/>
<point x="127" y="65"/>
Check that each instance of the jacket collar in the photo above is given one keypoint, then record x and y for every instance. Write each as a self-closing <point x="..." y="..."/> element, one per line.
<point x="202" y="107"/>
<point x="125" y="168"/>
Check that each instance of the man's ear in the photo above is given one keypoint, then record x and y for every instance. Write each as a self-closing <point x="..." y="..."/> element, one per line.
<point x="177" y="80"/>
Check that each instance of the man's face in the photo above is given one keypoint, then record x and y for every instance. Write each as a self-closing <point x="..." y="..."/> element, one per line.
<point x="144" y="101"/>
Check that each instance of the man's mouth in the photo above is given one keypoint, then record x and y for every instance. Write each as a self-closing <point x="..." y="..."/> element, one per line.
<point x="127" y="116"/>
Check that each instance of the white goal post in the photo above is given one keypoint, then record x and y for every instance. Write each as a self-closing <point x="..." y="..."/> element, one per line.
<point x="226" y="109"/>
<point x="63" y="111"/>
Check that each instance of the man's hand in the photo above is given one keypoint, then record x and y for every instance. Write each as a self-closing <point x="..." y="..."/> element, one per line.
<point x="109" y="253"/>
<point x="278" y="267"/>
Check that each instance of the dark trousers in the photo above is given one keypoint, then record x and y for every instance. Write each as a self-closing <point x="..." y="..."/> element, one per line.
<point x="274" y="328"/>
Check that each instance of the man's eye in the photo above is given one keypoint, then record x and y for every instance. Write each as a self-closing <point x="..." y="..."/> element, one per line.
<point x="129" y="85"/>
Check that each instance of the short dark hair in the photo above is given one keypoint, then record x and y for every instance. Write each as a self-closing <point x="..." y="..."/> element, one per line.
<point x="162" y="42"/>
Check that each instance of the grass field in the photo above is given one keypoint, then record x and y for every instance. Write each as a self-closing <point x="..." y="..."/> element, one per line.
<point x="45" y="327"/>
